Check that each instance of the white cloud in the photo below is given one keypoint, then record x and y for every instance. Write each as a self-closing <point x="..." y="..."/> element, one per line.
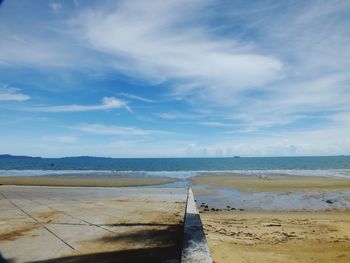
<point x="314" y="36"/>
<point x="159" y="47"/>
<point x="101" y="129"/>
<point x="66" y="139"/>
<point x="135" y="97"/>
<point x="215" y="124"/>
<point x="177" y="115"/>
<point x="268" y="65"/>
<point x="12" y="94"/>
<point x="61" y="139"/>
<point x="217" y="71"/>
<point x="37" y="53"/>
<point x="108" y="103"/>
<point x="296" y="100"/>
<point x="323" y="141"/>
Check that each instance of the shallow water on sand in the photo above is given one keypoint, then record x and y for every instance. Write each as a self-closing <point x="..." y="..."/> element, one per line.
<point x="229" y="198"/>
<point x="272" y="201"/>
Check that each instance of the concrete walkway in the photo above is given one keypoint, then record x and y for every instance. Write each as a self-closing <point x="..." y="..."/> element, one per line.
<point x="76" y="224"/>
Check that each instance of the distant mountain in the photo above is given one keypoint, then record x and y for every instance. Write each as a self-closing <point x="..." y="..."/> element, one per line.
<point x="84" y="157"/>
<point x="8" y="161"/>
<point x="8" y="156"/>
<point x="15" y="157"/>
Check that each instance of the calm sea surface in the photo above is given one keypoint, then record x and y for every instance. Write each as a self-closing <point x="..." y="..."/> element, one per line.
<point x="176" y="167"/>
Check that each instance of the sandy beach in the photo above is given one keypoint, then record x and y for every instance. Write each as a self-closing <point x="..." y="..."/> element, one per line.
<point x="284" y="235"/>
<point x="257" y="236"/>
<point x="240" y="233"/>
<point x="272" y="182"/>
<point x="82" y="181"/>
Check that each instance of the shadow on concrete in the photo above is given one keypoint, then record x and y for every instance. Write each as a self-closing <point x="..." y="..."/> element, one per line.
<point x="195" y="246"/>
<point x="165" y="245"/>
<point x="141" y="255"/>
<point x="194" y="227"/>
<point x="162" y="235"/>
<point x="138" y="224"/>
<point x="3" y="260"/>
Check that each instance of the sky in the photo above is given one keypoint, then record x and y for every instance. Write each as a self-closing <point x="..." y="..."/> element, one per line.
<point x="184" y="78"/>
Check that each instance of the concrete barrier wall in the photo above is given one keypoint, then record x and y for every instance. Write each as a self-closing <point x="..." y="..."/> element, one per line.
<point x="195" y="246"/>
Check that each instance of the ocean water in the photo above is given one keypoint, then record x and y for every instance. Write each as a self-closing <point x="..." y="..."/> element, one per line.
<point x="182" y="168"/>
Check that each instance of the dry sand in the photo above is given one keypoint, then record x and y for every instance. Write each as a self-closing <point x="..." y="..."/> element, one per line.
<point x="278" y="236"/>
<point x="273" y="183"/>
<point x="81" y="181"/>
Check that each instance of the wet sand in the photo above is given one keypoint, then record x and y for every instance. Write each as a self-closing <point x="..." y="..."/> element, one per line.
<point x="272" y="183"/>
<point x="242" y="234"/>
<point x="253" y="236"/>
<point x="82" y="181"/>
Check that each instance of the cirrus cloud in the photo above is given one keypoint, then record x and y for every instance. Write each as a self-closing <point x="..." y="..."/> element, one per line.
<point x="108" y="103"/>
<point x="12" y="94"/>
<point x="159" y="48"/>
<point x="101" y="129"/>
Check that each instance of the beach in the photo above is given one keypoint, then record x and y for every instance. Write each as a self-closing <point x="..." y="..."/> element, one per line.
<point x="272" y="182"/>
<point x="260" y="236"/>
<point x="253" y="218"/>
<point x="275" y="218"/>
<point x="82" y="181"/>
<point x="136" y="131"/>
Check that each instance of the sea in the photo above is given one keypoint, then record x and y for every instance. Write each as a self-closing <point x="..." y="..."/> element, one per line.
<point x="180" y="168"/>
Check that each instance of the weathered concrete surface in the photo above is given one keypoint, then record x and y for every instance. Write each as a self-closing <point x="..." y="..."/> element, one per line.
<point x="91" y="224"/>
<point x="195" y="246"/>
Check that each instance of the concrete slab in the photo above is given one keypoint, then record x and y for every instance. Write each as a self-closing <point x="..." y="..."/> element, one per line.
<point x="77" y="224"/>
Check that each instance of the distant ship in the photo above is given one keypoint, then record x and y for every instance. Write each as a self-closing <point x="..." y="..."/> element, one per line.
<point x="236" y="156"/>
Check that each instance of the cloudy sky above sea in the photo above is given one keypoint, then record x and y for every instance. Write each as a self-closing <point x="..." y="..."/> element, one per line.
<point x="174" y="78"/>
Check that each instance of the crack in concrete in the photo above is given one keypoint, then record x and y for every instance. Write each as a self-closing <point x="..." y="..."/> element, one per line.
<point x="43" y="226"/>
<point x="63" y="212"/>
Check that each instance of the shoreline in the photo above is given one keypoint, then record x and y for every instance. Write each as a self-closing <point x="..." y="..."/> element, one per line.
<point x="248" y="181"/>
<point x="286" y="193"/>
<point x="256" y="183"/>
<point x="180" y="174"/>
<point x="83" y="181"/>
<point x="272" y="193"/>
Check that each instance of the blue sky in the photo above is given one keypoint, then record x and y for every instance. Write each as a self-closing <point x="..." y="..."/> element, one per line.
<point x="174" y="78"/>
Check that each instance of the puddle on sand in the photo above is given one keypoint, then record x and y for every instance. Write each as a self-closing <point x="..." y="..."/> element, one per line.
<point x="272" y="201"/>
